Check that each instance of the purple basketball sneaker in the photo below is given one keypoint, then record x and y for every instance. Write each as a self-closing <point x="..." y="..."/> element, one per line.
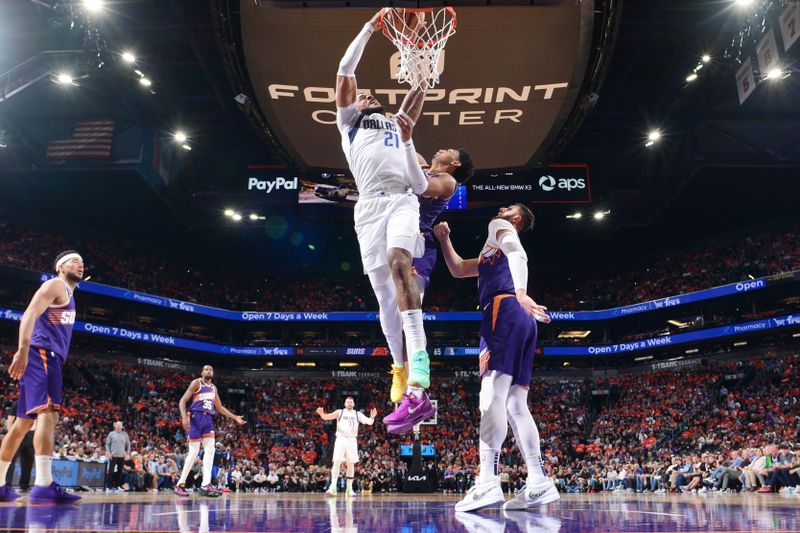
<point x="7" y="494"/>
<point x="410" y="412"/>
<point x="53" y="493"/>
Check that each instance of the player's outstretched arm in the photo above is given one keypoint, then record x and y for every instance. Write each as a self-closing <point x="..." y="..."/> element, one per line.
<point x="346" y="75"/>
<point x="327" y="416"/>
<point x="418" y="181"/>
<point x="412" y="104"/>
<point x="368" y="420"/>
<point x="46" y="296"/>
<point x="222" y="409"/>
<point x="194" y="386"/>
<point x="441" y="186"/>
<point x="458" y="267"/>
<point x="518" y="265"/>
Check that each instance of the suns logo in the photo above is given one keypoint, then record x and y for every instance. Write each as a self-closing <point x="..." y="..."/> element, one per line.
<point x="490" y="254"/>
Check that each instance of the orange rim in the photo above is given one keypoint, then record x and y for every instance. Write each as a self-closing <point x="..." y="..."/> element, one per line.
<point x="420" y="44"/>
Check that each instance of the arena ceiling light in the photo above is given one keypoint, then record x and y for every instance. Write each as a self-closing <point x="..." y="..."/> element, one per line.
<point x="236" y="217"/>
<point x="180" y="136"/>
<point x="93" y="5"/>
<point x="64" y="78"/>
<point x="653" y="137"/>
<point x="740" y="343"/>
<point x="145" y="81"/>
<point x="705" y="58"/>
<point x="229" y="212"/>
<point x="575" y="216"/>
<point x="600" y="215"/>
<point x="777" y="74"/>
<point x="128" y="57"/>
<point x="691" y="77"/>
<point x="644" y="358"/>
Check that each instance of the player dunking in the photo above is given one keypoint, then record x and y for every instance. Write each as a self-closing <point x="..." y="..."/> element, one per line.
<point x="199" y="423"/>
<point x="44" y="336"/>
<point x="383" y="161"/>
<point x="508" y="340"/>
<point x="345" y="447"/>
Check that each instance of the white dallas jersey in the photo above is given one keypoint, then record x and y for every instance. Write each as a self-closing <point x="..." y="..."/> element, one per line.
<point x="347" y="423"/>
<point x="374" y="151"/>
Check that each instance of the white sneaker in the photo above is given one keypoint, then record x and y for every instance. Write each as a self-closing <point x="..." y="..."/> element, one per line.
<point x="532" y="496"/>
<point x="331" y="491"/>
<point x="480" y="496"/>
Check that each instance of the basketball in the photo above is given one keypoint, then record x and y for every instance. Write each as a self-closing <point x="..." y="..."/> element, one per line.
<point x="410" y="22"/>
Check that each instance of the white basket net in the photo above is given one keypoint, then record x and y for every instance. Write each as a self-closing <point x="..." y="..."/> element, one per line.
<point x="420" y="35"/>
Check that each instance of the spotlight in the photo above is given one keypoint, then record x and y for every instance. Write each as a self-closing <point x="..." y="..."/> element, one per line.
<point x="253" y="216"/>
<point x="128" y="57"/>
<point x="599" y="215"/>
<point x="186" y="147"/>
<point x="744" y="3"/>
<point x="236" y="217"/>
<point x="229" y="212"/>
<point x="774" y="74"/>
<point x="654" y="135"/>
<point x="706" y="58"/>
<point x="146" y="82"/>
<point x="575" y="216"/>
<point x="691" y="77"/>
<point x="93" y="5"/>
<point x="180" y="136"/>
<point x="64" y="79"/>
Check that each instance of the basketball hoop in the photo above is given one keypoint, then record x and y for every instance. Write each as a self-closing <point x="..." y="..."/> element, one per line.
<point x="420" y="35"/>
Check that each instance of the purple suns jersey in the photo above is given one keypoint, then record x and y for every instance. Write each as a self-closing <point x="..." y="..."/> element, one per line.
<point x="53" y="329"/>
<point x="429" y="211"/>
<point x="494" y="275"/>
<point x="203" y="400"/>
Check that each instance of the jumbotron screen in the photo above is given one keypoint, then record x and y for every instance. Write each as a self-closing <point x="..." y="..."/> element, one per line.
<point x="510" y="78"/>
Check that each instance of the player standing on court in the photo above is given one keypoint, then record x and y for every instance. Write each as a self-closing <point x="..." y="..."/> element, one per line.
<point x="199" y="423"/>
<point x="345" y="447"/>
<point x="45" y="332"/>
<point x="508" y="340"/>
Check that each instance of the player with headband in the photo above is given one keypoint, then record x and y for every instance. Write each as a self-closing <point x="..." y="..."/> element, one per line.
<point x="45" y="332"/>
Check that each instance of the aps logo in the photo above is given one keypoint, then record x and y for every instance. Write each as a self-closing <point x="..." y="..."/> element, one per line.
<point x="549" y="183"/>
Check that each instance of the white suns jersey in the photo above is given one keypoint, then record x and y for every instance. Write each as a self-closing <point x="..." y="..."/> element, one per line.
<point x="374" y="151"/>
<point x="348" y="421"/>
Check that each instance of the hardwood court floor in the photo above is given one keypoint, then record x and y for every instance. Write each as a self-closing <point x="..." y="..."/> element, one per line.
<point x="405" y="513"/>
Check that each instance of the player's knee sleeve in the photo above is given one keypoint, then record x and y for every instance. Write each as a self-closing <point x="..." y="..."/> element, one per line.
<point x="208" y="445"/>
<point x="194" y="449"/>
<point x="494" y="390"/>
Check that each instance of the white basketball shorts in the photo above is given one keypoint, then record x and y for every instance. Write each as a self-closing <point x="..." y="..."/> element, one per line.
<point x="345" y="449"/>
<point x="383" y="222"/>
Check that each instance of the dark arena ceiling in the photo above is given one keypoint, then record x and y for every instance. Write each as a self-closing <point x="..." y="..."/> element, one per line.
<point x="628" y="66"/>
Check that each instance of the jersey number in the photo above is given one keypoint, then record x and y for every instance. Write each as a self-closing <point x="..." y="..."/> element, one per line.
<point x="391" y="140"/>
<point x="207" y="405"/>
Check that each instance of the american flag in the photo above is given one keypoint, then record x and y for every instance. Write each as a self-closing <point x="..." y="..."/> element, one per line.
<point x="87" y="139"/>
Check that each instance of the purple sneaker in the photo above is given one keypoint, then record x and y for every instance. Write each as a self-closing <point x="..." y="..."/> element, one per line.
<point x="7" y="494"/>
<point x="53" y="493"/>
<point x="409" y="413"/>
<point x="180" y="490"/>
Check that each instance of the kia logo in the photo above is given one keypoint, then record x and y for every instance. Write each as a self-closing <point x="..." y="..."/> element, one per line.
<point x="547" y="183"/>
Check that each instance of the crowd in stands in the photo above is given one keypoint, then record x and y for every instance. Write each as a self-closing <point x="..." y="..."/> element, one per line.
<point x="709" y="427"/>
<point x="128" y="265"/>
